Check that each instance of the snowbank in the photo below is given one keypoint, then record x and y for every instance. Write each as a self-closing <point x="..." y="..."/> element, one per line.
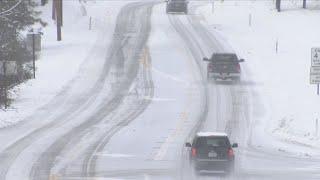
<point x="59" y="62"/>
<point x="280" y="79"/>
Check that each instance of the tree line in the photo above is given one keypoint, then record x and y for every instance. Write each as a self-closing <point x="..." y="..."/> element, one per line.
<point x="278" y="5"/>
<point x="16" y="16"/>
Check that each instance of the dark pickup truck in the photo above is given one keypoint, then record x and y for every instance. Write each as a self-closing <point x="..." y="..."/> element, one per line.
<point x="224" y="66"/>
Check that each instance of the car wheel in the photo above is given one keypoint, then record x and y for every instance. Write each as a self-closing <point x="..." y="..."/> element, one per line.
<point x="196" y="171"/>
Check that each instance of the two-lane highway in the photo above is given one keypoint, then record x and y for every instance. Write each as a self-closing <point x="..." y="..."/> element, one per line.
<point x="83" y="114"/>
<point x="130" y="117"/>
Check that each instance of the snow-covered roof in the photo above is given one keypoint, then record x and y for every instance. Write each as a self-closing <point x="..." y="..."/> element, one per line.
<point x="211" y="134"/>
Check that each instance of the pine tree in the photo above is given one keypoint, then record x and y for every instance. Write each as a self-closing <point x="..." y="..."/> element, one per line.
<point x="15" y="16"/>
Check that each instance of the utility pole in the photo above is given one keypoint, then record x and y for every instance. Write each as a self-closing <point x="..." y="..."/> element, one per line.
<point x="33" y="55"/>
<point x="278" y="5"/>
<point x="54" y="9"/>
<point x="61" y="12"/>
<point x="58" y="12"/>
<point x="5" y="88"/>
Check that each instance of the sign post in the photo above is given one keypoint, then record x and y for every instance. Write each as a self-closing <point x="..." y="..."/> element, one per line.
<point x="317" y="127"/>
<point x="315" y="68"/>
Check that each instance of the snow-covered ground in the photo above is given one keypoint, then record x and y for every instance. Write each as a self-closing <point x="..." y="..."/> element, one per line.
<point x="149" y="144"/>
<point x="60" y="62"/>
<point x="280" y="79"/>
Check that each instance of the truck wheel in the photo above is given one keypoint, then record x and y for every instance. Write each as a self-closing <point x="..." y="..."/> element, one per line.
<point x="237" y="79"/>
<point x="231" y="170"/>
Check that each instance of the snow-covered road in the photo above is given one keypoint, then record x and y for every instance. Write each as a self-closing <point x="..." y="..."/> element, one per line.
<point x="128" y="114"/>
<point x="105" y="96"/>
<point x="232" y="108"/>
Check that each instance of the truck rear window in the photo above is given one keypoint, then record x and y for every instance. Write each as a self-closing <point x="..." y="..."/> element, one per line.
<point x="229" y="58"/>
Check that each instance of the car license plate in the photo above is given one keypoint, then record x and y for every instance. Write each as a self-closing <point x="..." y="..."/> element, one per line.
<point x="212" y="154"/>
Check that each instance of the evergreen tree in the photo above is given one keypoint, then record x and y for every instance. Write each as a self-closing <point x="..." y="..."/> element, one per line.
<point x="15" y="16"/>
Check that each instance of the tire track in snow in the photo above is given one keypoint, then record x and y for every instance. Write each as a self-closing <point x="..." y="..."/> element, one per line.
<point x="129" y="22"/>
<point x="89" y="165"/>
<point x="241" y="103"/>
<point x="211" y="45"/>
<point x="62" y="109"/>
<point x="196" y="52"/>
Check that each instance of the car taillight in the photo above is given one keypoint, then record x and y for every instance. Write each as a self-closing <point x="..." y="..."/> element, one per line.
<point x="238" y="68"/>
<point x="210" y="66"/>
<point x="230" y="153"/>
<point x="194" y="152"/>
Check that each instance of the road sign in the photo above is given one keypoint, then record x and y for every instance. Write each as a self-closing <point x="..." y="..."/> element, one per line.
<point x="315" y="57"/>
<point x="315" y="75"/>
<point x="315" y="79"/>
<point x="315" y="70"/>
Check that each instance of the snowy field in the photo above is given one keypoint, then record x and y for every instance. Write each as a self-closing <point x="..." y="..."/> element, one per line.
<point x="281" y="78"/>
<point x="60" y="62"/>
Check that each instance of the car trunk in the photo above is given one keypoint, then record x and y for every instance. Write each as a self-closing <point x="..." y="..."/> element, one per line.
<point x="210" y="152"/>
<point x="212" y="148"/>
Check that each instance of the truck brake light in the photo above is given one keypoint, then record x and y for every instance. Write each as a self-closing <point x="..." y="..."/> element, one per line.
<point x="230" y="153"/>
<point x="194" y="152"/>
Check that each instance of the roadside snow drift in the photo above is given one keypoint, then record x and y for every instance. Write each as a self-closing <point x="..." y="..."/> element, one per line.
<point x="60" y="62"/>
<point x="277" y="49"/>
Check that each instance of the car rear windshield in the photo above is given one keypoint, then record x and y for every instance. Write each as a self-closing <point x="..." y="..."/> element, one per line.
<point x="212" y="141"/>
<point x="224" y="58"/>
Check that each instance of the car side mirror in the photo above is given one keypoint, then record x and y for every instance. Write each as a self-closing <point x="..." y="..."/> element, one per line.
<point x="188" y="144"/>
<point x="205" y="59"/>
<point x="235" y="145"/>
<point x="241" y="60"/>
